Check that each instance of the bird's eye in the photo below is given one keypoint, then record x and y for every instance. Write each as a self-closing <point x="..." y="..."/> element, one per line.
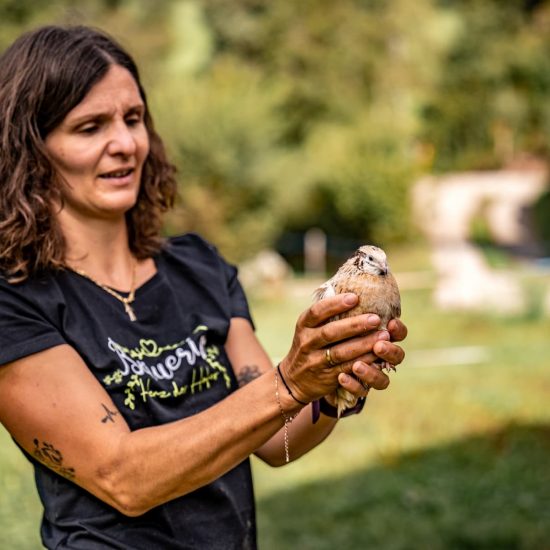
<point x="371" y="259"/>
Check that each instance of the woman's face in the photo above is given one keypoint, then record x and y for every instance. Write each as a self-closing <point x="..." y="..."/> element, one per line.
<point x="100" y="147"/>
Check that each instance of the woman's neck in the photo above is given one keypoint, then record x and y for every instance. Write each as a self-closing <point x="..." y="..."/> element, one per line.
<point x="99" y="248"/>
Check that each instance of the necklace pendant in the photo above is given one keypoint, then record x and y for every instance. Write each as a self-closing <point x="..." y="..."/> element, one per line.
<point x="126" y="301"/>
<point x="130" y="312"/>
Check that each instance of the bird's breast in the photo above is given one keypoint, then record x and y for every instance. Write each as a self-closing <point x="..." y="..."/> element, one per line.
<point x="377" y="294"/>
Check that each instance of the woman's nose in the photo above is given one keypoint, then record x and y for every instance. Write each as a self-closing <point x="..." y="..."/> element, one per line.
<point x="121" y="140"/>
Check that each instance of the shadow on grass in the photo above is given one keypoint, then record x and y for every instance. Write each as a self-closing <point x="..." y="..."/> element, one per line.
<point x="485" y="492"/>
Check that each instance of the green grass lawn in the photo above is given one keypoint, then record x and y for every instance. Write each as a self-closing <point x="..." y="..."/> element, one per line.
<point x="455" y="454"/>
<point x="19" y="507"/>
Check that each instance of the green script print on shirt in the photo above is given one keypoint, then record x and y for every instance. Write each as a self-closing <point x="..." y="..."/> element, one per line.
<point x="167" y="359"/>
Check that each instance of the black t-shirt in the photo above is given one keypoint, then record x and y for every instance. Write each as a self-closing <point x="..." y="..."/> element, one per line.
<point x="167" y="365"/>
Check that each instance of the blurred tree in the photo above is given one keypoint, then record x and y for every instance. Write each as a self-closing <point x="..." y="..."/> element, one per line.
<point x="283" y="115"/>
<point x="351" y="77"/>
<point x="218" y="115"/>
<point x="541" y="217"/>
<point x="17" y="16"/>
<point x="490" y="103"/>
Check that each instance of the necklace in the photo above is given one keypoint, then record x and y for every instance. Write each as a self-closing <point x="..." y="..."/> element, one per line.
<point x="126" y="300"/>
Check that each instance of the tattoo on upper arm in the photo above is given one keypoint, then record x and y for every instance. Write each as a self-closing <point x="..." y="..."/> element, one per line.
<point x="247" y="374"/>
<point x="52" y="457"/>
<point x="110" y="415"/>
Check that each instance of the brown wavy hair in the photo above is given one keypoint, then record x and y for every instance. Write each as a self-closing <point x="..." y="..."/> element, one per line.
<point x="44" y="74"/>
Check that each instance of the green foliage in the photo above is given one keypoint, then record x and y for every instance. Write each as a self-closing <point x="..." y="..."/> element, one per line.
<point x="480" y="234"/>
<point x="223" y="136"/>
<point x="490" y="102"/>
<point x="542" y="220"/>
<point x="354" y="181"/>
<point x="22" y="15"/>
<point x="351" y="81"/>
<point x="19" y="506"/>
<point x="286" y="115"/>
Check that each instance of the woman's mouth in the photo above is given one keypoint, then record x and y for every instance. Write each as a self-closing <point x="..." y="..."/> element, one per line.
<point x="117" y="174"/>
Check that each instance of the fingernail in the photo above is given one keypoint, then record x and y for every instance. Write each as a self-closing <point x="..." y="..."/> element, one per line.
<point x="344" y="378"/>
<point x="359" y="368"/>
<point x="350" y="299"/>
<point x="373" y="319"/>
<point x="383" y="335"/>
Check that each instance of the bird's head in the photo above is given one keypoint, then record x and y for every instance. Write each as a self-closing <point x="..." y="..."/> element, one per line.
<point x="371" y="259"/>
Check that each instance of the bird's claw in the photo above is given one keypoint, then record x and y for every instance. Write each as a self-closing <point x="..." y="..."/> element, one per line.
<point x="384" y="366"/>
<point x="388" y="367"/>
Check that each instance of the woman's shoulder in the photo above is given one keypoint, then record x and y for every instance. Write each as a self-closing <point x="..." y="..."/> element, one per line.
<point x="41" y="294"/>
<point x="196" y="255"/>
<point x="189" y="241"/>
<point x="38" y="284"/>
<point x="191" y="247"/>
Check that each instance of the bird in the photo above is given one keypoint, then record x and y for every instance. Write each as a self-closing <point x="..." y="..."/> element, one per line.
<point x="365" y="273"/>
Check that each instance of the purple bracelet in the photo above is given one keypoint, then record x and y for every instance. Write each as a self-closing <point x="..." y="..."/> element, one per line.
<point x="323" y="406"/>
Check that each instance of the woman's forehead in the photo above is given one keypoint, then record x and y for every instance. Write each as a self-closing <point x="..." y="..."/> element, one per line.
<point x="116" y="91"/>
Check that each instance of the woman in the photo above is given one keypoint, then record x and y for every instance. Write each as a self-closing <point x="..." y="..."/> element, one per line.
<point x="122" y="354"/>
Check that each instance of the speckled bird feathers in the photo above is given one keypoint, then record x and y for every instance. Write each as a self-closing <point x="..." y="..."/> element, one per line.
<point x="377" y="289"/>
<point x="377" y="294"/>
<point x="367" y="275"/>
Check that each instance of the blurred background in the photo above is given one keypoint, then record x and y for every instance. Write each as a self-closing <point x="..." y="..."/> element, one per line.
<point x="304" y="129"/>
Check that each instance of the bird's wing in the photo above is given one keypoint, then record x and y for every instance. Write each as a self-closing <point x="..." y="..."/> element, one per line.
<point x="394" y="298"/>
<point x="326" y="290"/>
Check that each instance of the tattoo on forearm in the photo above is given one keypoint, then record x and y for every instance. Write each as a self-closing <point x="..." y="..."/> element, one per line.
<point x="52" y="457"/>
<point x="247" y="374"/>
<point x="110" y="415"/>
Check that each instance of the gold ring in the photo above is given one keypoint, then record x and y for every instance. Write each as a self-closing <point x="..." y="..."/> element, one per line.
<point x="329" y="359"/>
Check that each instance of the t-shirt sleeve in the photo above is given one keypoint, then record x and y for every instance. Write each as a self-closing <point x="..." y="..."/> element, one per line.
<point x="202" y="260"/>
<point x="24" y="325"/>
<point x="239" y="303"/>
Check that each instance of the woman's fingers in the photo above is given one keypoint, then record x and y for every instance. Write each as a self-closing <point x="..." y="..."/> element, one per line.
<point x="323" y="350"/>
<point x="371" y="375"/>
<point x="364" y="376"/>
<point x="363" y="373"/>
<point x="353" y="385"/>
<point x="397" y="330"/>
<point x="389" y="352"/>
<point x="356" y="348"/>
<point x="349" y="327"/>
<point x="322" y="311"/>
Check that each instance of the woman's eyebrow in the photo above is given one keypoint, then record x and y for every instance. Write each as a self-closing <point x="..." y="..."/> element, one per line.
<point x="101" y="115"/>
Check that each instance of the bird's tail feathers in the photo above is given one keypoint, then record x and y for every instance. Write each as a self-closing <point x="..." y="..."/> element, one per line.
<point x="344" y="400"/>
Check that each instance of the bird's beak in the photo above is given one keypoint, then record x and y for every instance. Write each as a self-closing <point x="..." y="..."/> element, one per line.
<point x="383" y="270"/>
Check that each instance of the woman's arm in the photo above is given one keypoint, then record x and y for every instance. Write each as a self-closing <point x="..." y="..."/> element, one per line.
<point x="250" y="361"/>
<point x="58" y="412"/>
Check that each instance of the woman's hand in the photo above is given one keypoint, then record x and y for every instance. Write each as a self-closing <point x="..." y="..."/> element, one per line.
<point x="367" y="373"/>
<point x="354" y="342"/>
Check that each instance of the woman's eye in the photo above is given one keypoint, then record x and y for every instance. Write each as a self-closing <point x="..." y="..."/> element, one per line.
<point x="133" y="121"/>
<point x="89" y="129"/>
